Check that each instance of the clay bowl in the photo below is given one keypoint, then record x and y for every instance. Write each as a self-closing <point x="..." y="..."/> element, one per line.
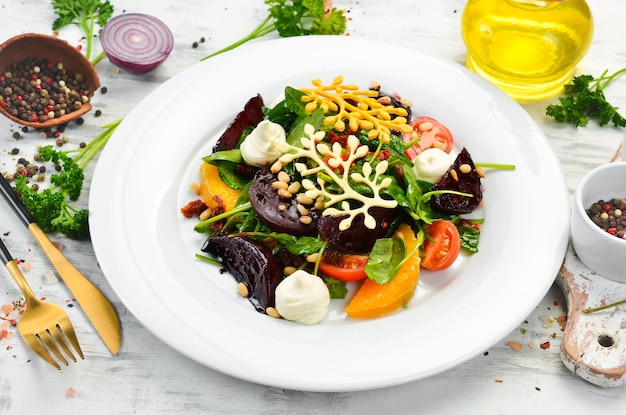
<point x="55" y="50"/>
<point x="597" y="249"/>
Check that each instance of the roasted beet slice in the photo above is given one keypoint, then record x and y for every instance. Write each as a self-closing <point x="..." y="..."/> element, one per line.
<point x="461" y="181"/>
<point x="251" y="263"/>
<point x="357" y="238"/>
<point x="267" y="205"/>
<point x="251" y="115"/>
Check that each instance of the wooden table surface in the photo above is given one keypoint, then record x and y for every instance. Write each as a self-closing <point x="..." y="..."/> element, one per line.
<point x="148" y="377"/>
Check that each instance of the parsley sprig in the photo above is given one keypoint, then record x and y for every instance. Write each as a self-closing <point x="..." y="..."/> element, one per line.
<point x="84" y="13"/>
<point x="585" y="100"/>
<point x="295" y="18"/>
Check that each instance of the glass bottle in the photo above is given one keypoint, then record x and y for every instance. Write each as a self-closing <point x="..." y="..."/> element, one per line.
<point x="528" y="48"/>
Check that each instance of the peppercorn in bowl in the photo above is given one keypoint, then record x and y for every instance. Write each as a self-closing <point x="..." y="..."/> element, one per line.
<point x="44" y="81"/>
<point x="599" y="221"/>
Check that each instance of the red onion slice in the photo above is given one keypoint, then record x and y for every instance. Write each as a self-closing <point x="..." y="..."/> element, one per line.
<point x="136" y="42"/>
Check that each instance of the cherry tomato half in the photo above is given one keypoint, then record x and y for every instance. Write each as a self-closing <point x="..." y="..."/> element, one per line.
<point x="345" y="267"/>
<point x="442" y="245"/>
<point x="429" y="131"/>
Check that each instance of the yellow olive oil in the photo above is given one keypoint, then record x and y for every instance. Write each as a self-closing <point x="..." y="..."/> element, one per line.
<point x="528" y="48"/>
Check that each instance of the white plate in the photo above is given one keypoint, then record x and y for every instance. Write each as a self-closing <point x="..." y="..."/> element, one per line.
<point x="146" y="249"/>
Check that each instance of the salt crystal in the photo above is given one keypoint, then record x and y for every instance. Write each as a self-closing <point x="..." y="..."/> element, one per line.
<point x="71" y="392"/>
<point x="49" y="277"/>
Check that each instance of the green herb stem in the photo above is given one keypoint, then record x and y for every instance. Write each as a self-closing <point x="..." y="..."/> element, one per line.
<point x="496" y="166"/>
<point x="603" y="307"/>
<point x="266" y="27"/>
<point x="208" y="260"/>
<point x="98" y="58"/>
<point x="204" y="225"/>
<point x="603" y="81"/>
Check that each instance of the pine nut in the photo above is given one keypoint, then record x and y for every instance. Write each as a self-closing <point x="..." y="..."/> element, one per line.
<point x="284" y="193"/>
<point x="289" y="270"/>
<point x="294" y="188"/>
<point x="440" y="145"/>
<point x="206" y="213"/>
<point x="276" y="167"/>
<point x="306" y="220"/>
<point x="304" y="199"/>
<point x="280" y="185"/>
<point x="454" y="175"/>
<point x="312" y="257"/>
<point x="465" y="168"/>
<point x="425" y="126"/>
<point x="272" y="312"/>
<point x="302" y="209"/>
<point x="243" y="289"/>
<point x="480" y="171"/>
<point x="284" y="177"/>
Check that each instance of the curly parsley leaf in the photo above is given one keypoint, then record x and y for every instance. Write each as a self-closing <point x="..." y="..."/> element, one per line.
<point x="52" y="207"/>
<point x="585" y="100"/>
<point x="86" y="14"/>
<point x="295" y="18"/>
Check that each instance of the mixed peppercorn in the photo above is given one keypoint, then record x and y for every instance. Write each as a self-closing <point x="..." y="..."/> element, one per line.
<point x="36" y="90"/>
<point x="609" y="216"/>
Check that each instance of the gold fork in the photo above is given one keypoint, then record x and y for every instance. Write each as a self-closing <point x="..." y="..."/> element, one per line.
<point x="43" y="326"/>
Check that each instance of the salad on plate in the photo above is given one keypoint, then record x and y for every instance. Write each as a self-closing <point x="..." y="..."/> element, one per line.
<point x="330" y="187"/>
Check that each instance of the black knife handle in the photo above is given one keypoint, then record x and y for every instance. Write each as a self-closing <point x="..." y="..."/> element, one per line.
<point x="9" y="194"/>
<point x="6" y="255"/>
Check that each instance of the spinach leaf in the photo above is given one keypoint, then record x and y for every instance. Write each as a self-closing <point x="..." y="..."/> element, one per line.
<point x="469" y="238"/>
<point x="385" y="259"/>
<point x="303" y="245"/>
<point x="336" y="288"/>
<point x="316" y="119"/>
<point x="228" y="173"/>
<point x="234" y="156"/>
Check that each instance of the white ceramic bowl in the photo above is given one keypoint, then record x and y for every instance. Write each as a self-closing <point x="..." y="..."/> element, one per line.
<point x="597" y="249"/>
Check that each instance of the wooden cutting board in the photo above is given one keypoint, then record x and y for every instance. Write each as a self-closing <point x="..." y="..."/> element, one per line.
<point x="594" y="344"/>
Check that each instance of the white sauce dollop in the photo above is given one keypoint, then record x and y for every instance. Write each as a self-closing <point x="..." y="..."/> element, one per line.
<point x="303" y="298"/>
<point x="431" y="164"/>
<point x="260" y="148"/>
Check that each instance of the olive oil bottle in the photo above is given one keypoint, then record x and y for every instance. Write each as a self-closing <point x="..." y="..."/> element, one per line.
<point x="528" y="48"/>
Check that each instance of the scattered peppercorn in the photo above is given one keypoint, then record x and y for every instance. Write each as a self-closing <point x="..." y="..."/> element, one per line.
<point x="15" y="151"/>
<point x="104" y="90"/>
<point x="194" y="45"/>
<point x="16" y="135"/>
<point x="98" y="113"/>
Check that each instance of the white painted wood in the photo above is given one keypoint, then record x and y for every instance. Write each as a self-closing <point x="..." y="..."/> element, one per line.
<point x="147" y="377"/>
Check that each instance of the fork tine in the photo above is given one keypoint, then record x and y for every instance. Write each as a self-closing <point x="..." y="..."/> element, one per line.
<point x="33" y="342"/>
<point x="57" y="334"/>
<point x="68" y="330"/>
<point x="46" y="338"/>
